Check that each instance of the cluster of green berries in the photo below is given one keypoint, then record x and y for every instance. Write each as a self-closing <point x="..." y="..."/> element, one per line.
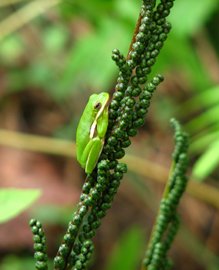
<point x="94" y="202"/>
<point x="79" y="258"/>
<point x="69" y="244"/>
<point x="127" y="110"/>
<point x="106" y="196"/>
<point x="39" y="245"/>
<point x="132" y="97"/>
<point x="181" y="141"/>
<point x="158" y="261"/>
<point x="167" y="222"/>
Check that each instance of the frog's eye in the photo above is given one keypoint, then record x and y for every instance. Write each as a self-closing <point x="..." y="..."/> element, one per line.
<point x="97" y="106"/>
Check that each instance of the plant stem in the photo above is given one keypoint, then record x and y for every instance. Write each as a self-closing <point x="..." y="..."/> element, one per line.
<point x="9" y="2"/>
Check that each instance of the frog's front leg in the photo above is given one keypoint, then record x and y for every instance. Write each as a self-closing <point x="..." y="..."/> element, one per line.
<point x="91" y="154"/>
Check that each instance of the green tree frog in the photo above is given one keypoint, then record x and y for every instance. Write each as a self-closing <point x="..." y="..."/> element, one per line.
<point x="91" y="131"/>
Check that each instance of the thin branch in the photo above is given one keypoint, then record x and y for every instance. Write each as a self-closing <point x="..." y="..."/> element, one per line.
<point x="24" y="15"/>
<point x="146" y="168"/>
<point x="5" y="3"/>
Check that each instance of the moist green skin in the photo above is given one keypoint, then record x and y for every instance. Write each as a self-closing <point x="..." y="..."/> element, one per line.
<point x="91" y="131"/>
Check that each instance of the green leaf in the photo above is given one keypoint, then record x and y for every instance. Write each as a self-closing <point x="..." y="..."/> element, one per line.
<point x="207" y="162"/>
<point x="202" y="99"/>
<point x="51" y="214"/>
<point x="54" y="39"/>
<point x="128" y="251"/>
<point x="14" y="201"/>
<point x="202" y="141"/>
<point x="184" y="59"/>
<point x="127" y="9"/>
<point x="89" y="64"/>
<point x="188" y="17"/>
<point x="11" y="49"/>
<point x="14" y="262"/>
<point x="204" y="120"/>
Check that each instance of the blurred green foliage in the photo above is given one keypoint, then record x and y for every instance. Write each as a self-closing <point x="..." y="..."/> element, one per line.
<point x="127" y="253"/>
<point x="18" y="263"/>
<point x="15" y="201"/>
<point x="52" y="214"/>
<point x="66" y="52"/>
<point x="61" y="61"/>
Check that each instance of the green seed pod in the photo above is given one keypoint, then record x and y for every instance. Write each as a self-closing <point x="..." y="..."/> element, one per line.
<point x="40" y="256"/>
<point x="40" y="232"/>
<point x="32" y="222"/>
<point x="114" y="104"/>
<point x="134" y="81"/>
<point x="130" y="103"/>
<point x="140" y="37"/>
<point x="88" y="201"/>
<point x="120" y="154"/>
<point x="142" y="80"/>
<point x="142" y="112"/>
<point x="118" y="95"/>
<point x="145" y="97"/>
<point x="64" y="250"/>
<point x="39" y="247"/>
<point x="83" y="197"/>
<point x="101" y="213"/>
<point x="143" y="27"/>
<point x="126" y="143"/>
<point x="119" y="88"/>
<point x="99" y="187"/>
<point x="150" y="62"/>
<point x="72" y="229"/>
<point x="82" y="258"/>
<point x="78" y="265"/>
<point x="38" y="224"/>
<point x="91" y="234"/>
<point x="119" y="132"/>
<point x="123" y="125"/>
<point x="118" y="175"/>
<point x="162" y="37"/>
<point x="132" y="132"/>
<point x="103" y="165"/>
<point x="77" y="219"/>
<point x="112" y="191"/>
<point x="34" y="230"/>
<point x="114" y="184"/>
<point x="68" y="239"/>
<point x="112" y="114"/>
<point x="86" y="228"/>
<point x="105" y="206"/>
<point x="37" y="239"/>
<point x="41" y="265"/>
<point x="138" y="123"/>
<point x="158" y="45"/>
<point x="96" y="224"/>
<point x="121" y="167"/>
<point x="86" y="187"/>
<point x="94" y="194"/>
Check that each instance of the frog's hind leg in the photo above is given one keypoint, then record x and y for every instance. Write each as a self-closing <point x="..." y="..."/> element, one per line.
<point x="91" y="154"/>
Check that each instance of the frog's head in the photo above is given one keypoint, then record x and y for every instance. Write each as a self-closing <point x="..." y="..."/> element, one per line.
<point x="99" y="103"/>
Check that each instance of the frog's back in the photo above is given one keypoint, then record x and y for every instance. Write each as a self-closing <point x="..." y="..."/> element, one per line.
<point x="95" y="105"/>
<point x="83" y="129"/>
